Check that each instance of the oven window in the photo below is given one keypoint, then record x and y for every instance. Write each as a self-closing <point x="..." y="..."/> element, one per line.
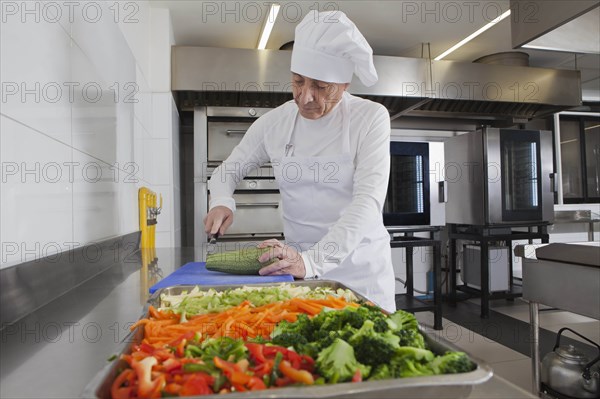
<point x="405" y="193"/>
<point x="520" y="157"/>
<point x="521" y="171"/>
<point x="580" y="159"/>
<point x="407" y="201"/>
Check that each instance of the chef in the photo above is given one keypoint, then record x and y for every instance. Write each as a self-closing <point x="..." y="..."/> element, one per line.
<point x="330" y="155"/>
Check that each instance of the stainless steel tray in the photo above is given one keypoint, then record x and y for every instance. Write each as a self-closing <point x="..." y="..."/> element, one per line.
<point x="439" y="386"/>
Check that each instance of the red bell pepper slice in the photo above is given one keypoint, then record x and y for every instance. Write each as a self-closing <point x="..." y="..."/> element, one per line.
<point x="271" y="350"/>
<point x="232" y="371"/>
<point x="145" y="347"/>
<point x="173" y="388"/>
<point x="256" y="351"/>
<point x="294" y="374"/>
<point x="256" y="384"/>
<point x="263" y="369"/>
<point x="172" y="365"/>
<point x="196" y="384"/>
<point x="118" y="392"/>
<point x="146" y="387"/>
<point x="357" y="377"/>
<point x="241" y="381"/>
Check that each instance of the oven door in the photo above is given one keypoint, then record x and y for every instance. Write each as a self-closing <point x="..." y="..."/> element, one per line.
<point x="519" y="166"/>
<point x="223" y="137"/>
<point x="408" y="201"/>
<point x="258" y="214"/>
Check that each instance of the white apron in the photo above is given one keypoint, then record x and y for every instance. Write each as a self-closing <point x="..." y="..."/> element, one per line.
<point x="313" y="201"/>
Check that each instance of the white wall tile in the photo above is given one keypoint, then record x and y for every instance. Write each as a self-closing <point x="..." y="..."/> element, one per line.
<point x="143" y="101"/>
<point x="163" y="239"/>
<point x="159" y="166"/>
<point x="113" y="132"/>
<point x="162" y="115"/>
<point x="134" y="22"/>
<point x="35" y="67"/>
<point x="104" y="44"/>
<point x="139" y="137"/>
<point x="160" y="50"/>
<point x="95" y="199"/>
<point x="148" y="173"/>
<point x="127" y="205"/>
<point x="36" y="207"/>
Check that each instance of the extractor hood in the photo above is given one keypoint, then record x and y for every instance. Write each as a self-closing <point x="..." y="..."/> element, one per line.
<point x="406" y="86"/>
<point x="571" y="26"/>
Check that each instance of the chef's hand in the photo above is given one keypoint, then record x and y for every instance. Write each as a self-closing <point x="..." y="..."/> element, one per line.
<point x="218" y="220"/>
<point x="289" y="260"/>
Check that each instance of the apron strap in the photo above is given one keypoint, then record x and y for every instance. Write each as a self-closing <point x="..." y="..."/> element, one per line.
<point x="345" y="124"/>
<point x="289" y="147"/>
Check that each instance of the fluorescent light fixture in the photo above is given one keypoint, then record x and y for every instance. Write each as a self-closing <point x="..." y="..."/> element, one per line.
<point x="268" y="26"/>
<point x="473" y="35"/>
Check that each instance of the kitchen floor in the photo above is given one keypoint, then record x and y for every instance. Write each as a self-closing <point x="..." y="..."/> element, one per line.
<point x="502" y="341"/>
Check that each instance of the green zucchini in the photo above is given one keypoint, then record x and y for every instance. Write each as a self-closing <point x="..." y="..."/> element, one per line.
<point x="243" y="261"/>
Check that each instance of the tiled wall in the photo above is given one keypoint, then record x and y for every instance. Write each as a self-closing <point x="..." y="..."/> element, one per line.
<point x="82" y="125"/>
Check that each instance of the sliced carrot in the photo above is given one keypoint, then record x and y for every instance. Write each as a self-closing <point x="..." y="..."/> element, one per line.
<point x="160" y="328"/>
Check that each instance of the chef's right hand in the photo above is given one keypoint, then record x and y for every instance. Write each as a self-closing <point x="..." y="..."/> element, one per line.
<point x="218" y="220"/>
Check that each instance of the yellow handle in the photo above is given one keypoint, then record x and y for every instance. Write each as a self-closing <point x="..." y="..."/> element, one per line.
<point x="148" y="213"/>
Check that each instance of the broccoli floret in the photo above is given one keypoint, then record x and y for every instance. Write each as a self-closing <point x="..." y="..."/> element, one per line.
<point x="406" y="367"/>
<point x="325" y="338"/>
<point x="302" y="326"/>
<point x="401" y="320"/>
<point x="337" y="362"/>
<point x="373" y="348"/>
<point x="335" y="320"/>
<point x="381" y="372"/>
<point x="374" y="314"/>
<point x="293" y="339"/>
<point x="411" y="338"/>
<point x="411" y="362"/>
<point x="451" y="363"/>
<point x="353" y="318"/>
<point x="415" y="353"/>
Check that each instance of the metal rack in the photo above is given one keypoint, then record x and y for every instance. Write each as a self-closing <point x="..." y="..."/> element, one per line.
<point x="483" y="236"/>
<point x="408" y="241"/>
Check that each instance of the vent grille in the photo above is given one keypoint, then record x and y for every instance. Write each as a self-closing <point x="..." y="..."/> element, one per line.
<point x="484" y="109"/>
<point x="410" y="106"/>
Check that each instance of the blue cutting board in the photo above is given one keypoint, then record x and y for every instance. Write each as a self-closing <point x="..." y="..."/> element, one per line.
<point x="195" y="273"/>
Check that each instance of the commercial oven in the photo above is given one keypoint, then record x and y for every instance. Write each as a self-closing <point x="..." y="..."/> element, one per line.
<point x="499" y="177"/>
<point x="413" y="198"/>
<point x="217" y="130"/>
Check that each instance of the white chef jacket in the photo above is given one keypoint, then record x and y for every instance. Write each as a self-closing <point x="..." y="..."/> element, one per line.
<point x="267" y="140"/>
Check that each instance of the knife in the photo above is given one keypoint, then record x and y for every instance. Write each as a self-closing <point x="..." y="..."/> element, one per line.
<point x="212" y="244"/>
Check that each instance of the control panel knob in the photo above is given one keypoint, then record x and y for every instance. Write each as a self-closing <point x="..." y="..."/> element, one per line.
<point x="252" y="112"/>
<point x="252" y="184"/>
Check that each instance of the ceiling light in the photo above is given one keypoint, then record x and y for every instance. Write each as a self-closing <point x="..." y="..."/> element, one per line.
<point x="268" y="26"/>
<point x="473" y="35"/>
<point x="591" y="127"/>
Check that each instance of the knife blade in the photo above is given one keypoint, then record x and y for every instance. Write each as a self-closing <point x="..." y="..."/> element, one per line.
<point x="212" y="244"/>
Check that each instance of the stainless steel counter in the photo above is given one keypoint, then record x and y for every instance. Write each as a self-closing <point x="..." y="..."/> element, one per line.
<point x="55" y="351"/>
<point x="565" y="276"/>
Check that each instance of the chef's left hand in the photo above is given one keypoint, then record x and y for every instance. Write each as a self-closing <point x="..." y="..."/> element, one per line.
<point x="290" y="261"/>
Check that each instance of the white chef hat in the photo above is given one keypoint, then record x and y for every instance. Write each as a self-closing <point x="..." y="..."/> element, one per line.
<point x="329" y="47"/>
